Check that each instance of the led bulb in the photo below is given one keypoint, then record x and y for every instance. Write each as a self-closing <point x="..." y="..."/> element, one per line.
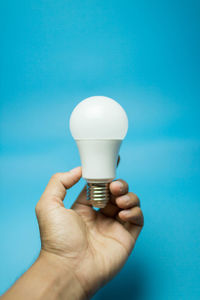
<point x="98" y="124"/>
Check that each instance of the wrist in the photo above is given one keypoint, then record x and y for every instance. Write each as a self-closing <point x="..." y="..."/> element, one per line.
<point x="58" y="278"/>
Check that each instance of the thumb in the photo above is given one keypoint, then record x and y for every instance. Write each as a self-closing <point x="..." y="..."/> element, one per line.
<point x="55" y="191"/>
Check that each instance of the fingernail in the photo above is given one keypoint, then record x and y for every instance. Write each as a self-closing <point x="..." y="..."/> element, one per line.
<point x="126" y="199"/>
<point x="126" y="212"/>
<point x="120" y="185"/>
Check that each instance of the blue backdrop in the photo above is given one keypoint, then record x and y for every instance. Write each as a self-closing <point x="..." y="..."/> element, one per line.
<point x="144" y="54"/>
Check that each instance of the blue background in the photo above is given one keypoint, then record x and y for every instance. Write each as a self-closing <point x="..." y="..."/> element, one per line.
<point x="144" y="54"/>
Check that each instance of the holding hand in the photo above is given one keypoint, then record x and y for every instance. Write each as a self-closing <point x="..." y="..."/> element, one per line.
<point x="81" y="249"/>
<point x="94" y="245"/>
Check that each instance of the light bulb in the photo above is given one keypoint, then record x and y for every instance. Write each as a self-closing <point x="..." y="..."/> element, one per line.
<point x="98" y="124"/>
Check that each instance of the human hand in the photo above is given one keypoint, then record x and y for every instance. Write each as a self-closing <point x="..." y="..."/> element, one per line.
<point x="93" y="245"/>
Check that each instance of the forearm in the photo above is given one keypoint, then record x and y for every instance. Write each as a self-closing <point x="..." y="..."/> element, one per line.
<point x="48" y="279"/>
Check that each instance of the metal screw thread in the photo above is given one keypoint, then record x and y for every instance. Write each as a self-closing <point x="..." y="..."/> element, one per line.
<point x="98" y="194"/>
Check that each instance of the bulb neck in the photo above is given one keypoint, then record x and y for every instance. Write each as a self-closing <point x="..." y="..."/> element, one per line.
<point x="98" y="194"/>
<point x="98" y="158"/>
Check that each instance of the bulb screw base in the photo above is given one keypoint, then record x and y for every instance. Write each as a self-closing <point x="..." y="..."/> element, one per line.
<point x="98" y="194"/>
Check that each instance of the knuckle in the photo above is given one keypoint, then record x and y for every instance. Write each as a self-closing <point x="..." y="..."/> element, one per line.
<point x="131" y="195"/>
<point x="142" y="220"/>
<point x="137" y="200"/>
<point x="125" y="184"/>
<point x="55" y="176"/>
<point x="134" y="198"/>
<point x="37" y="208"/>
<point x="139" y="211"/>
<point x="141" y="217"/>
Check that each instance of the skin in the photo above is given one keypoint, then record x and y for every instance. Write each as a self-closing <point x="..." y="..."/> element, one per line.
<point x="81" y="249"/>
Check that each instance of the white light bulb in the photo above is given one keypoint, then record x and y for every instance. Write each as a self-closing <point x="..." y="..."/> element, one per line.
<point x="98" y="124"/>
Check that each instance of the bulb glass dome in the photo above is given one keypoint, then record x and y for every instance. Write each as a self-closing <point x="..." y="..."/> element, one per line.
<point x="98" y="118"/>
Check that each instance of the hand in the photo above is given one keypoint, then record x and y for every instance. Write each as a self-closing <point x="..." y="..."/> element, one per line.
<point x="93" y="245"/>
